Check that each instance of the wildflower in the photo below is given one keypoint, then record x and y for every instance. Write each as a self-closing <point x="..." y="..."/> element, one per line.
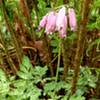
<point x="43" y="22"/>
<point x="61" y="23"/>
<point x="60" y="18"/>
<point x="72" y="19"/>
<point x="51" y="23"/>
<point x="63" y="30"/>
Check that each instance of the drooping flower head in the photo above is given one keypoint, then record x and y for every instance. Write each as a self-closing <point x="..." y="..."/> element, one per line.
<point x="51" y="23"/>
<point x="60" y="18"/>
<point x="63" y="30"/>
<point x="61" y="22"/>
<point x="72" y="19"/>
<point x="55" y="22"/>
<point x="43" y="22"/>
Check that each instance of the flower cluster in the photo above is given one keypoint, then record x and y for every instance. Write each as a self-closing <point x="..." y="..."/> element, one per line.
<point x="59" y="21"/>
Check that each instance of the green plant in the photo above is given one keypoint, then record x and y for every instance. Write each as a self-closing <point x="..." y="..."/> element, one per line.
<point x="86" y="80"/>
<point x="4" y="84"/>
<point x="25" y="86"/>
<point x="18" y="27"/>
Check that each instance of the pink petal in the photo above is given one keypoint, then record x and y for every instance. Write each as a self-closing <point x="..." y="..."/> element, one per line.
<point x="63" y="30"/>
<point x="51" y="23"/>
<point x="72" y="19"/>
<point x="43" y="22"/>
<point x="60" y="17"/>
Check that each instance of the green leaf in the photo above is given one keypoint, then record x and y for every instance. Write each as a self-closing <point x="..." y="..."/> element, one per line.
<point x="74" y="97"/>
<point x="50" y="87"/>
<point x="56" y="86"/>
<point x="17" y="92"/>
<point x="62" y="85"/>
<point x="19" y="83"/>
<point x="13" y="98"/>
<point x="4" y="87"/>
<point x="23" y="68"/>
<point x="92" y="84"/>
<point x="2" y="75"/>
<point x="39" y="71"/>
<point x="54" y="43"/>
<point x="35" y="94"/>
<point x="26" y="62"/>
<point x="72" y="37"/>
<point x="25" y="75"/>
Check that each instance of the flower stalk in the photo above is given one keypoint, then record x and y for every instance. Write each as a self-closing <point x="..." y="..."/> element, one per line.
<point x="59" y="57"/>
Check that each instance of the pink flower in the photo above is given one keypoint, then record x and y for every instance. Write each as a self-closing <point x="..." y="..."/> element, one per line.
<point x="43" y="22"/>
<point x="51" y="23"/>
<point x="60" y="18"/>
<point x="63" y="30"/>
<point x="72" y="19"/>
<point x="61" y="23"/>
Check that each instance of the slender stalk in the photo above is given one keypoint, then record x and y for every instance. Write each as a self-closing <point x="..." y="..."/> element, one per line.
<point x="58" y="64"/>
<point x="81" y="41"/>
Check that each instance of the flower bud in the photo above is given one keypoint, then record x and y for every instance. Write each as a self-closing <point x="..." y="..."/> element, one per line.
<point x="61" y="23"/>
<point x="63" y="30"/>
<point x="51" y="23"/>
<point x="72" y="19"/>
<point x="43" y="22"/>
<point x="60" y="18"/>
